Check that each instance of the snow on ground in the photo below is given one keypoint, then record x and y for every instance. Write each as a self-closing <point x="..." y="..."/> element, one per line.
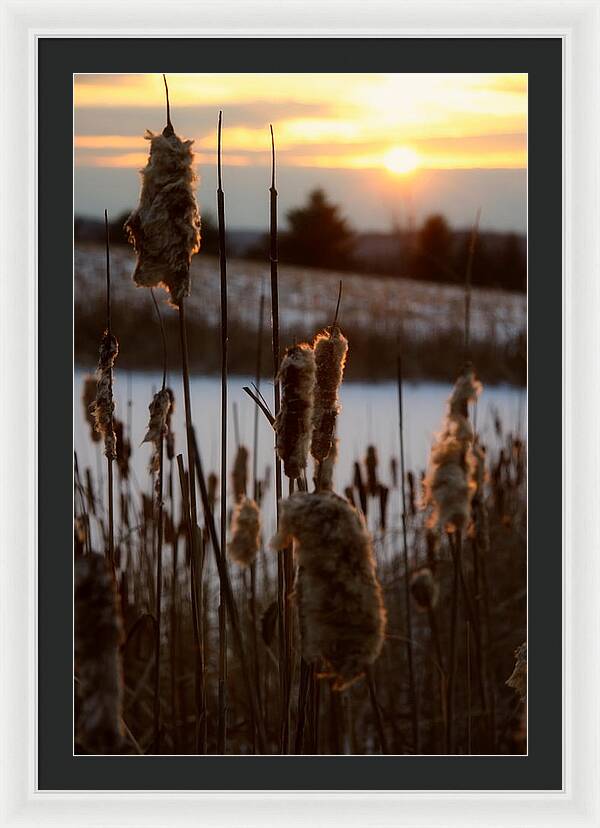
<point x="307" y="297"/>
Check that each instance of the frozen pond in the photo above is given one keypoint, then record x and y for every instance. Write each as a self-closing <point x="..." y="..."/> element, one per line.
<point x="369" y="416"/>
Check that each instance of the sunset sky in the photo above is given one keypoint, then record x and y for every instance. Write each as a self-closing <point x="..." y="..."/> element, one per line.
<point x="385" y="146"/>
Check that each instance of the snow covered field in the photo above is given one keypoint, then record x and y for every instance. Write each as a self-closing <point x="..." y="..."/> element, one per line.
<point x="307" y="297"/>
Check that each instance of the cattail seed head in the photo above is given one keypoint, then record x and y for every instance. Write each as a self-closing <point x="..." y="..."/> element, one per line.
<point x="294" y="421"/>
<point x="157" y="425"/>
<point x="340" y="604"/>
<point x="449" y="485"/>
<point x="330" y="349"/>
<point x="383" y="492"/>
<point x="123" y="449"/>
<point x="371" y="462"/>
<point x="103" y="406"/>
<point x="245" y="532"/>
<point x="394" y="472"/>
<point x="518" y="678"/>
<point x="424" y="588"/>
<point x="212" y="485"/>
<point x="240" y="473"/>
<point x="412" y="493"/>
<point x="360" y="488"/>
<point x="165" y="226"/>
<point x="98" y="638"/>
<point x="170" y="436"/>
<point x="88" y="396"/>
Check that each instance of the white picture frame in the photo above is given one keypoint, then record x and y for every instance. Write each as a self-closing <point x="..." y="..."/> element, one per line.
<point x="578" y="24"/>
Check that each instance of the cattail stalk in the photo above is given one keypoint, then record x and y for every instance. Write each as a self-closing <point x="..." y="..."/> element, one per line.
<point x="159" y="413"/>
<point x="376" y="711"/>
<point x="109" y="454"/>
<point x="230" y="604"/>
<point x="273" y="255"/>
<point x="222" y="721"/>
<point x="256" y="495"/>
<point x="414" y="698"/>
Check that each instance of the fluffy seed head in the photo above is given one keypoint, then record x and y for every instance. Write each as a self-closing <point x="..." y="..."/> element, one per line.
<point x="245" y="532"/>
<point x="294" y="421"/>
<point x="87" y="397"/>
<point x="170" y="438"/>
<point x="449" y="483"/>
<point x="340" y="603"/>
<point x="330" y="349"/>
<point x="165" y="226"/>
<point x="98" y="637"/>
<point x="103" y="406"/>
<point x="157" y="425"/>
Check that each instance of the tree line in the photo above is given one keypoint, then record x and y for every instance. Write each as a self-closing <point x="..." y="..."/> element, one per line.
<point x="319" y="236"/>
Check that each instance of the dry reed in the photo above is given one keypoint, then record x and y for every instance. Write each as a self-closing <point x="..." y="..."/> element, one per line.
<point x="98" y="638"/>
<point x="245" y="532"/>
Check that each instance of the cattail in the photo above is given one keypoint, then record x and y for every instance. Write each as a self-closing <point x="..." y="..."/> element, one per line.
<point x="245" y="532"/>
<point x="240" y="473"/>
<point x="123" y="449"/>
<point x="325" y="468"/>
<point x="293" y="423"/>
<point x="88" y="396"/>
<point x="349" y="494"/>
<point x="212" y="486"/>
<point x="103" y="406"/>
<point x="518" y="678"/>
<point x="165" y="227"/>
<point x="412" y="493"/>
<point x="98" y="638"/>
<point x="170" y="436"/>
<point x="340" y="604"/>
<point x="449" y="485"/>
<point x="371" y="462"/>
<point x="383" y="493"/>
<point x="424" y="588"/>
<point x="157" y="425"/>
<point x="394" y="472"/>
<point x="330" y="349"/>
<point x="360" y="488"/>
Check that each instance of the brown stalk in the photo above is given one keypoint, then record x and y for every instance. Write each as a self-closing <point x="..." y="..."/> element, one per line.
<point x="414" y="698"/>
<point x="281" y="633"/>
<point x="232" y="610"/>
<point x="109" y="462"/>
<point x="222" y="721"/>
<point x="193" y="530"/>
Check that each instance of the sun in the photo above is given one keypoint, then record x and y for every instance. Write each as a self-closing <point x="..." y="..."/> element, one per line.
<point x="401" y="160"/>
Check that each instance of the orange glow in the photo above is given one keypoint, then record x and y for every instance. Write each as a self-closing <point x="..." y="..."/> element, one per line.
<point x="401" y="122"/>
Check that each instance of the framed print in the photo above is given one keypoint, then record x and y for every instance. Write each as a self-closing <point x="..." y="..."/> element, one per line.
<point x="303" y="349"/>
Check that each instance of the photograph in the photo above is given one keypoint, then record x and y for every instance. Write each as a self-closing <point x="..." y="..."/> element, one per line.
<point x="300" y="364"/>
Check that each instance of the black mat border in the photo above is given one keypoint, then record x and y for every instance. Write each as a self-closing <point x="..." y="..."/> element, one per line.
<point x="58" y="59"/>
